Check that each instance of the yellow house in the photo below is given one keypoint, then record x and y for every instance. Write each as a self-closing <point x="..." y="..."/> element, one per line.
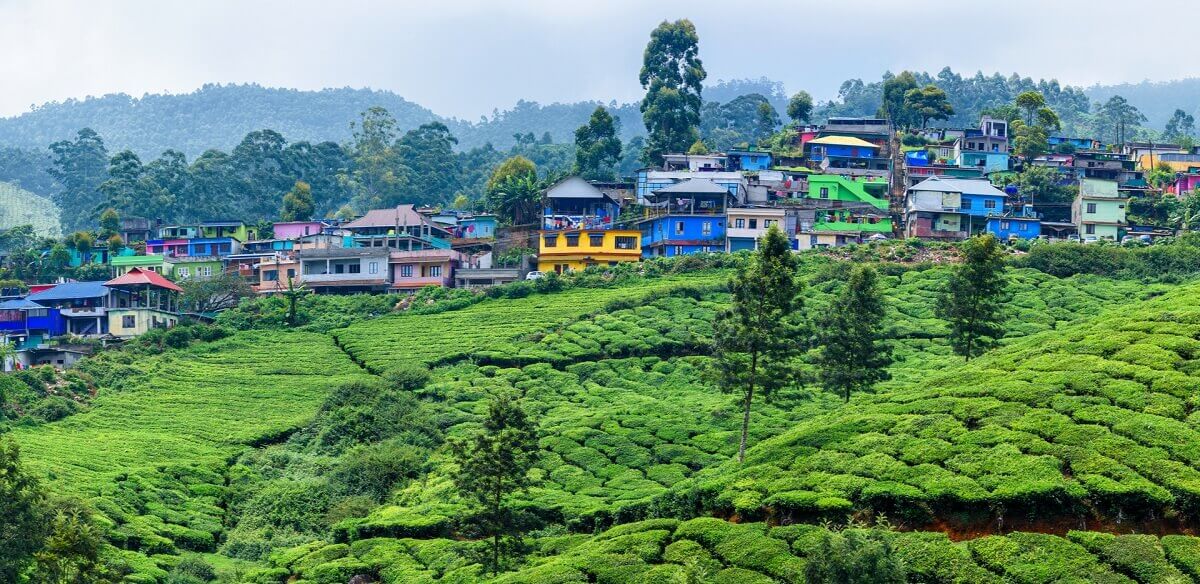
<point x="581" y="228"/>
<point x="563" y="251"/>
<point x="142" y="300"/>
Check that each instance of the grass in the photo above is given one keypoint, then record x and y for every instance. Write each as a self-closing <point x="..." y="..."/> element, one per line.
<point x="21" y="207"/>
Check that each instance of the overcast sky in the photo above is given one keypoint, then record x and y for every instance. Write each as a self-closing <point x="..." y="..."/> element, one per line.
<point x="464" y="58"/>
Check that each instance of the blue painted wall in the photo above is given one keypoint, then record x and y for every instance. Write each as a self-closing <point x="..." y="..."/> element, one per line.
<point x="752" y="160"/>
<point x="665" y="231"/>
<point x="1017" y="227"/>
<point x="976" y="205"/>
<point x="850" y="151"/>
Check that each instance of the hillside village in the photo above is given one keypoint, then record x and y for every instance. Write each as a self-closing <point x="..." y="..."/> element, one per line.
<point x="848" y="181"/>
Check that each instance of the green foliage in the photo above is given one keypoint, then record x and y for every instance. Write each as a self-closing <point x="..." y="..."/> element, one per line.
<point x="974" y="298"/>
<point x="671" y="74"/>
<point x="853" y="557"/>
<point x="21" y="207"/>
<point x="597" y="147"/>
<point x="851" y="356"/>
<point x="752" y="341"/>
<point x="513" y="190"/>
<point x="928" y="103"/>
<point x="494" y="466"/>
<point x="298" y="203"/>
<point x="21" y="513"/>
<point x="800" y="107"/>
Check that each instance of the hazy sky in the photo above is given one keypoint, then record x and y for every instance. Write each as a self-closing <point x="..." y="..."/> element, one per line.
<point x="464" y="58"/>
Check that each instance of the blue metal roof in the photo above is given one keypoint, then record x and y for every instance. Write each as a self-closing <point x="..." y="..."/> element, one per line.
<point x="19" y="304"/>
<point x="71" y="291"/>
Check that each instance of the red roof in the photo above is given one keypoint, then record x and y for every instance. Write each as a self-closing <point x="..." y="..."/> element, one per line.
<point x="139" y="276"/>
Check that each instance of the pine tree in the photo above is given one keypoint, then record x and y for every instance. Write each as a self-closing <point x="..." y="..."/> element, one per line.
<point x="493" y="467"/>
<point x="753" y="341"/>
<point x="973" y="301"/>
<point x="851" y="356"/>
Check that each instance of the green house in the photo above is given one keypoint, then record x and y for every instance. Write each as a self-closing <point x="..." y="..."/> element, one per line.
<point x="195" y="268"/>
<point x="154" y="262"/>
<point x="235" y="229"/>
<point x="1099" y="210"/>
<point x="854" y="206"/>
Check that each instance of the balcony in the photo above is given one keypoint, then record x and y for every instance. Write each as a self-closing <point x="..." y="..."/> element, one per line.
<point x="419" y="282"/>
<point x="556" y="222"/>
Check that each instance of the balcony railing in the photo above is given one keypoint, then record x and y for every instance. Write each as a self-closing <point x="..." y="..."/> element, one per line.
<point x="571" y="222"/>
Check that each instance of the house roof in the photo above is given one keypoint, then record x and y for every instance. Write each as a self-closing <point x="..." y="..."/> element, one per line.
<point x="843" y="141"/>
<point x="19" y="304"/>
<point x="574" y="187"/>
<point x="390" y="217"/>
<point x="694" y="186"/>
<point x="70" y="291"/>
<point x="966" y="186"/>
<point x="1094" y="187"/>
<point x="143" y="277"/>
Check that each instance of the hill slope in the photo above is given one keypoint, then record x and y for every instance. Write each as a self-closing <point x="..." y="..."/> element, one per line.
<point x="21" y="207"/>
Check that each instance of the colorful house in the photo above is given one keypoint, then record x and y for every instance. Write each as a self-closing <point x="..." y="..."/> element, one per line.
<point x="27" y="324"/>
<point x="1099" y="210"/>
<point x="413" y="270"/>
<point x="838" y="210"/>
<point x="142" y="300"/>
<point x="196" y="268"/>
<point x="580" y="228"/>
<point x="748" y="160"/>
<point x="82" y="305"/>
<point x="847" y="155"/>
<point x="1024" y="224"/>
<point x="943" y="208"/>
<point x="232" y="229"/>
<point x="345" y="270"/>
<point x="154" y="262"/>
<point x="476" y="226"/>
<point x="400" y="228"/>
<point x="684" y="218"/>
<point x="647" y="181"/>
<point x="295" y="229"/>
<point x="747" y="225"/>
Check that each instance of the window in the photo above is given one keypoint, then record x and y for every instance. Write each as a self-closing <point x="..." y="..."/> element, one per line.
<point x="271" y="276"/>
<point x="204" y="271"/>
<point x="355" y="268"/>
<point x="824" y="192"/>
<point x="339" y="268"/>
<point x="626" y="242"/>
<point x="989" y="204"/>
<point x="129" y="321"/>
<point x="596" y="239"/>
<point x="679" y="250"/>
<point x="966" y="203"/>
<point x="572" y="240"/>
<point x="754" y="224"/>
<point x="739" y="223"/>
<point x="706" y="228"/>
<point x="435" y="271"/>
<point x="406" y="271"/>
<point x="679" y="228"/>
<point x="1089" y="229"/>
<point x="768" y="222"/>
<point x="550" y="240"/>
<point x="373" y="268"/>
<point x="182" y="272"/>
<point x="1091" y="207"/>
<point x="1004" y="225"/>
<point x="291" y="273"/>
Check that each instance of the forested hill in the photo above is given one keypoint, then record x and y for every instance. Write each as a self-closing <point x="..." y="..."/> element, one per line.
<point x="1157" y="99"/>
<point x="219" y="116"/>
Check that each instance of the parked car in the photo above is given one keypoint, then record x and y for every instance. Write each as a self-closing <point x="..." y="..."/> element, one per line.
<point x="1073" y="238"/>
<point x="534" y="275"/>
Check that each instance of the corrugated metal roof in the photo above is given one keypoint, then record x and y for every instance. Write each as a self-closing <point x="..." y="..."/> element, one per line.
<point x="843" y="141"/>
<point x="19" y="304"/>
<point x="70" y="291"/>
<point x="399" y="215"/>
<point x="966" y="186"/>
<point x="140" y="276"/>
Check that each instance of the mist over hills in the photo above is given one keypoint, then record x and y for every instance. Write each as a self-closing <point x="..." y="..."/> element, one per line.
<point x="219" y="116"/>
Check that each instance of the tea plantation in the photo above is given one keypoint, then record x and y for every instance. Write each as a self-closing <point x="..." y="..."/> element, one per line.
<point x="277" y="455"/>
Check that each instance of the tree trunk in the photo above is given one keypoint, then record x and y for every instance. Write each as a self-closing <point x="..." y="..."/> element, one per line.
<point x="746" y="408"/>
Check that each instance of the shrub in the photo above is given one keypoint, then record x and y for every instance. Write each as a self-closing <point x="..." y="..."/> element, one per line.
<point x="407" y="377"/>
<point x="54" y="408"/>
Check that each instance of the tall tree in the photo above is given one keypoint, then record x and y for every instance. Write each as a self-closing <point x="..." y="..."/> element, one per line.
<point x="851" y="355"/>
<point x="427" y="153"/>
<point x="378" y="173"/>
<point x="260" y="160"/>
<point x="753" y="341"/>
<point x="513" y="191"/>
<point x="800" y="107"/>
<point x="79" y="165"/>
<point x="1029" y="102"/>
<point x="973" y="299"/>
<point x="298" y="203"/>
<point x="597" y="147"/>
<point x="1181" y="125"/>
<point x="494" y="466"/>
<point x="672" y="75"/>
<point x="894" y="91"/>
<point x="928" y="103"/>
<point x="767" y="119"/>
<point x="1117" y="118"/>
<point x="22" y="515"/>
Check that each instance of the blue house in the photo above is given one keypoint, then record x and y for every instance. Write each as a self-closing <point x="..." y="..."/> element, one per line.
<point x="28" y="324"/>
<point x="1014" y="227"/>
<point x="82" y="306"/>
<point x="979" y="197"/>
<point x="688" y="217"/>
<point x="749" y="160"/>
<point x="481" y="226"/>
<point x="916" y="158"/>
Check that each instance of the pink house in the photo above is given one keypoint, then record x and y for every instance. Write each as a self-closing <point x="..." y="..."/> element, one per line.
<point x="297" y="229"/>
<point x="1187" y="183"/>
<point x="412" y="270"/>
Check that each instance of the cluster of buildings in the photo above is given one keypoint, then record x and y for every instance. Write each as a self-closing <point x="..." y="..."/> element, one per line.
<point x="847" y="181"/>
